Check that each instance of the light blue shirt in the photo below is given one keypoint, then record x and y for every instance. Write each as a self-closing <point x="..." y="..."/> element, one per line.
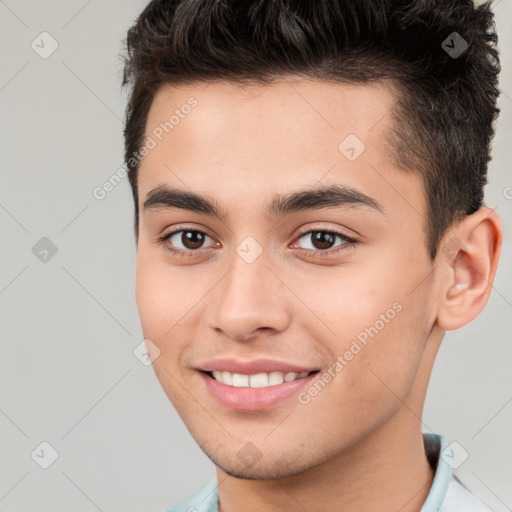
<point x="447" y="493"/>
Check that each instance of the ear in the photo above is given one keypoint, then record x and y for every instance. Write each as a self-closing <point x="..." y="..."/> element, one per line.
<point x="468" y="260"/>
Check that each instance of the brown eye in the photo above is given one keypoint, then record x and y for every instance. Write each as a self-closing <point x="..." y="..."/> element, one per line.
<point x="192" y="239"/>
<point x="184" y="241"/>
<point x="321" y="240"/>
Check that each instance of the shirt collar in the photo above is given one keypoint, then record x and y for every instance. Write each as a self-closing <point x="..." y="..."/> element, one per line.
<point x="434" y="449"/>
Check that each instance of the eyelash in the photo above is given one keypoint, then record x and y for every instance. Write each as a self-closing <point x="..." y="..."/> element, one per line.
<point x="317" y="253"/>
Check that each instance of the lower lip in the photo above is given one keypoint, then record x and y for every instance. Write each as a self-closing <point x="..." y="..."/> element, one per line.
<point x="254" y="399"/>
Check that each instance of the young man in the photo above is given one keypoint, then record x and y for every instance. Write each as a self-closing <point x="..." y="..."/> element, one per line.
<point x="308" y="182"/>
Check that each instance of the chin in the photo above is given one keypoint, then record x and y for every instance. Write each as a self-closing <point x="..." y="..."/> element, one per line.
<point x="261" y="467"/>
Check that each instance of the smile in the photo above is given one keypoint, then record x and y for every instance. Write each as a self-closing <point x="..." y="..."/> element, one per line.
<point x="258" y="380"/>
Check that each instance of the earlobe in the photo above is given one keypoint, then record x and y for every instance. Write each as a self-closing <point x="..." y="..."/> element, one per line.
<point x="468" y="264"/>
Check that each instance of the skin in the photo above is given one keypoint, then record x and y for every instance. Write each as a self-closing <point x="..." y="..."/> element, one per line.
<point x="362" y="434"/>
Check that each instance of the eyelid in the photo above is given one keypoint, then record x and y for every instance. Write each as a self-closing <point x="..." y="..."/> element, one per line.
<point x="179" y="227"/>
<point x="336" y="231"/>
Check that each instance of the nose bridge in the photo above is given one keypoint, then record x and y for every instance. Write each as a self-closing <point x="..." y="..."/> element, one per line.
<point x="250" y="296"/>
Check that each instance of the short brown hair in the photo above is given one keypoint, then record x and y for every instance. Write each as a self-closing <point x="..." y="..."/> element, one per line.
<point x="441" y="56"/>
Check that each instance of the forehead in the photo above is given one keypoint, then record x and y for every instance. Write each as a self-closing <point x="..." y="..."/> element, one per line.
<point x="295" y="108"/>
<point x="269" y="136"/>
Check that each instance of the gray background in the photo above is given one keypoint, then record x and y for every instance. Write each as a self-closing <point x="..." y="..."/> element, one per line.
<point x="69" y="326"/>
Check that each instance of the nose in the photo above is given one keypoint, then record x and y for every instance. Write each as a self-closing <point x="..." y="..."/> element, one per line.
<point x="250" y="299"/>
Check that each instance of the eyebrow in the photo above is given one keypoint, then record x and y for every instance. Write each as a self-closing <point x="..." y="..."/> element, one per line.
<point x="330" y="196"/>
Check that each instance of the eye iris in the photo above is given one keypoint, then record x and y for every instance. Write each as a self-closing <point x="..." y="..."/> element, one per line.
<point x="323" y="239"/>
<point x="192" y="239"/>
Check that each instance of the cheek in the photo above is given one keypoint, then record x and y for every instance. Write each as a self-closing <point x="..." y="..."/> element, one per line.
<point x="158" y="296"/>
<point x="150" y="298"/>
<point x="168" y="300"/>
<point x="160" y="303"/>
<point x="378" y="328"/>
<point x="350" y="303"/>
<point x="160" y="293"/>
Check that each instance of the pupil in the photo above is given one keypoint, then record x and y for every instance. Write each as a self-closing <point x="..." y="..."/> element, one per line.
<point x="192" y="239"/>
<point x="320" y="238"/>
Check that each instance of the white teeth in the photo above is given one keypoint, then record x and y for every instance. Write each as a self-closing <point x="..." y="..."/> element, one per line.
<point x="240" y="381"/>
<point x="258" y="380"/>
<point x="275" y="378"/>
<point x="227" y="378"/>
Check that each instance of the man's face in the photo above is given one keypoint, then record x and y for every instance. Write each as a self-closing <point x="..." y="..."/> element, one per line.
<point x="276" y="284"/>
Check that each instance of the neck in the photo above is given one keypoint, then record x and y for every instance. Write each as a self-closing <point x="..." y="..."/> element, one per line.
<point x="387" y="470"/>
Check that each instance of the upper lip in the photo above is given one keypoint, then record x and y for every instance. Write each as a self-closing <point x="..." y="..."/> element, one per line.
<point x="252" y="366"/>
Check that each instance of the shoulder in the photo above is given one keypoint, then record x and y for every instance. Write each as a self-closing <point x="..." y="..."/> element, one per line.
<point x="460" y="499"/>
<point x="204" y="500"/>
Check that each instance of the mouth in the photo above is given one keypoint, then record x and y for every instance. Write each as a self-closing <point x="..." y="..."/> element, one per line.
<point x="256" y="392"/>
<point x="258" y="380"/>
